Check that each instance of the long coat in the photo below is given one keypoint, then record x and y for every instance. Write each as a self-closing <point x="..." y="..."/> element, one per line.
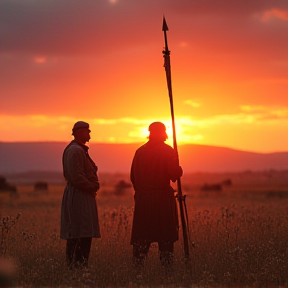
<point x="155" y="215"/>
<point x="79" y="215"/>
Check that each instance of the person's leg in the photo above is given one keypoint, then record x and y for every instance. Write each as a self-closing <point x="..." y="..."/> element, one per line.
<point x="70" y="250"/>
<point x="140" y="252"/>
<point x="82" y="251"/>
<point x="166" y="250"/>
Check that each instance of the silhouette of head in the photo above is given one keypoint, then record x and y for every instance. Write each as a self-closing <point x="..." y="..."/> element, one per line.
<point x="81" y="131"/>
<point x="157" y="131"/>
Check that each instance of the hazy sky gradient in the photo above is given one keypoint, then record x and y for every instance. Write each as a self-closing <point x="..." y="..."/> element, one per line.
<point x="101" y="61"/>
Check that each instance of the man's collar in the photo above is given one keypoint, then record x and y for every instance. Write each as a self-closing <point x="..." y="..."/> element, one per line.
<point x="81" y="144"/>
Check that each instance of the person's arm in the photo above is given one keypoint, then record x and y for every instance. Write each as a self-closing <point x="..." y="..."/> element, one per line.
<point x="174" y="170"/>
<point x="75" y="163"/>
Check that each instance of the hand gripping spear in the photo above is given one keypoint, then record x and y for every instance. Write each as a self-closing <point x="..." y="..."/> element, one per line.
<point x="181" y="199"/>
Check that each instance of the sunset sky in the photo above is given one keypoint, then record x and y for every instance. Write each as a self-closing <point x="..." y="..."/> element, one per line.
<point x="101" y="61"/>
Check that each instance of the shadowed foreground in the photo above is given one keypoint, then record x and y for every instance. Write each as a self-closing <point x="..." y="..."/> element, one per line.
<point x="238" y="238"/>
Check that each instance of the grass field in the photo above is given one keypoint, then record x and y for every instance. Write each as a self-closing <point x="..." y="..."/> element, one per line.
<point x="238" y="236"/>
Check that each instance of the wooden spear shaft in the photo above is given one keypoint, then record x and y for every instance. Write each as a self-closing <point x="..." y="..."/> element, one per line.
<point x="166" y="55"/>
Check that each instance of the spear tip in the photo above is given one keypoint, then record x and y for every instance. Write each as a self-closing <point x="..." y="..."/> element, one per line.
<point x="164" y="26"/>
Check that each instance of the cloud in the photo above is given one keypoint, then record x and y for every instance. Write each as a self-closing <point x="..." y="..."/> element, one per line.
<point x="40" y="59"/>
<point x="224" y="8"/>
<point x="71" y="27"/>
<point x="135" y="129"/>
<point x="249" y="109"/>
<point x="194" y="104"/>
<point x="275" y="13"/>
<point x="264" y="113"/>
<point x="245" y="130"/>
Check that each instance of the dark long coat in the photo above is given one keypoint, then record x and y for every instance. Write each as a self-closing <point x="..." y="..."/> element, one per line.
<point x="155" y="215"/>
<point x="79" y="215"/>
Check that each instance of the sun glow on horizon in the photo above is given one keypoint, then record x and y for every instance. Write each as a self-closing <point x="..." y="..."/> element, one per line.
<point x="230" y="130"/>
<point x="182" y="127"/>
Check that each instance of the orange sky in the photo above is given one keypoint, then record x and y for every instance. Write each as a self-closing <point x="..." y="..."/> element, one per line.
<point x="101" y="62"/>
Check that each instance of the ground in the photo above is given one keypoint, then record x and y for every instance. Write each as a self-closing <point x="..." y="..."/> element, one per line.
<point x="237" y="236"/>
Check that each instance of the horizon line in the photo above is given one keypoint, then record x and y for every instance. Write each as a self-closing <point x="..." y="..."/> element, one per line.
<point x="141" y="143"/>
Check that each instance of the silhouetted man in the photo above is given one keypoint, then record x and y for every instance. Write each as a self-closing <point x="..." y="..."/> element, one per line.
<point x="79" y="216"/>
<point x="155" y="164"/>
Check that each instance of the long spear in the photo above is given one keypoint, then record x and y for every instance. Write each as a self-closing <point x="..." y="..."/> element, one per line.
<point x="181" y="199"/>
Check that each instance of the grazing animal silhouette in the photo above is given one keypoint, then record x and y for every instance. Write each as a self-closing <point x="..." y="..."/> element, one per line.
<point x="7" y="187"/>
<point x="41" y="185"/>
<point x="211" y="187"/>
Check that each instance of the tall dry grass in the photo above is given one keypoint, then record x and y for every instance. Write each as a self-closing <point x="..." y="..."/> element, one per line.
<point x="238" y="238"/>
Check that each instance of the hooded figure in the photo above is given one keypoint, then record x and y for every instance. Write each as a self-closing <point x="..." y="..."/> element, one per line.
<point x="155" y="219"/>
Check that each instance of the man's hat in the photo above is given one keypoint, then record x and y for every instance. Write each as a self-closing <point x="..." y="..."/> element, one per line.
<point x="157" y="129"/>
<point x="80" y="125"/>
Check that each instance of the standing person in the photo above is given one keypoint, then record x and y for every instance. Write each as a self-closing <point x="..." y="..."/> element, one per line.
<point x="155" y="219"/>
<point x="79" y="216"/>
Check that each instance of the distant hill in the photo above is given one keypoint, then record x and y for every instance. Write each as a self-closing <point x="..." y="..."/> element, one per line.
<point x="113" y="158"/>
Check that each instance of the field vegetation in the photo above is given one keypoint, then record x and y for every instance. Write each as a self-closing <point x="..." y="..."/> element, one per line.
<point x="237" y="236"/>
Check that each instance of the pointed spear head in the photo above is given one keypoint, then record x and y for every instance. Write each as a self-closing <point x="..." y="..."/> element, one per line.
<point x="164" y="26"/>
<point x="164" y="29"/>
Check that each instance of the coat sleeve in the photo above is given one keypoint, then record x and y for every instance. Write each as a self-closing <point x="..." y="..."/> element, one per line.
<point x="132" y="177"/>
<point x="174" y="170"/>
<point x="75" y="167"/>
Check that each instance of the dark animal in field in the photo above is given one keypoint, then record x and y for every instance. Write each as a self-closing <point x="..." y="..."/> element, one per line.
<point x="3" y="182"/>
<point x="41" y="185"/>
<point x="211" y="187"/>
<point x="227" y="182"/>
<point x="7" y="187"/>
<point x="277" y="194"/>
<point x="121" y="186"/>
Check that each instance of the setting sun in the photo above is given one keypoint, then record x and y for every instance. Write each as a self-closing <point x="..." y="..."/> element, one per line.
<point x="104" y="65"/>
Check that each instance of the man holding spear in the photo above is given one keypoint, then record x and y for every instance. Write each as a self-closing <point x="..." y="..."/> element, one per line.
<point x="154" y="165"/>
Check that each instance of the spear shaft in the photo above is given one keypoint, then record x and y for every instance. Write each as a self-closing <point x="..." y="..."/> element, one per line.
<point x="181" y="199"/>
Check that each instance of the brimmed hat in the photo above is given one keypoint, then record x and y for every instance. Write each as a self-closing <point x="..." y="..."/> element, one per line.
<point x="80" y="125"/>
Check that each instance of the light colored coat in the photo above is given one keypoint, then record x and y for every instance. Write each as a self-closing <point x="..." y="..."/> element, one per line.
<point x="79" y="215"/>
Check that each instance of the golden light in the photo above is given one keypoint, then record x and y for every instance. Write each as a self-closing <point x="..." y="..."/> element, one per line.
<point x="184" y="132"/>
